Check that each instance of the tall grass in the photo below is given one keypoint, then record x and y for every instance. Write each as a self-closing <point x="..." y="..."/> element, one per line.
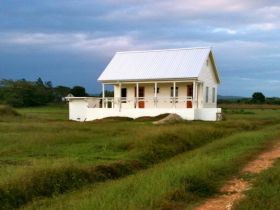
<point x="180" y="182"/>
<point x="42" y="154"/>
<point x="265" y="192"/>
<point x="147" y="150"/>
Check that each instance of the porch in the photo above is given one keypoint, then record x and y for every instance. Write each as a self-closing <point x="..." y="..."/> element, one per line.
<point x="153" y="94"/>
<point x="88" y="108"/>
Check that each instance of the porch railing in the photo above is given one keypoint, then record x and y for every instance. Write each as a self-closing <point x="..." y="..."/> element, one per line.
<point x="133" y="102"/>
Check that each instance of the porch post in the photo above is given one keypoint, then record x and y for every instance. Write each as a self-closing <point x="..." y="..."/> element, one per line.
<point x="187" y="97"/>
<point x="120" y="97"/>
<point x="155" y="95"/>
<point x="194" y="94"/>
<point x="174" y="94"/>
<point x="137" y="95"/>
<point x="103" y="94"/>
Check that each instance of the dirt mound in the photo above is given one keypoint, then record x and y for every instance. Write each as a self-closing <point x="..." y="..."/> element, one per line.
<point x="171" y="118"/>
<point x="114" y="119"/>
<point x="6" y="110"/>
<point x="148" y="118"/>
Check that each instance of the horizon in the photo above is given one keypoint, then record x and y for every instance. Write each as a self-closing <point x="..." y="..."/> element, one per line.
<point x="71" y="42"/>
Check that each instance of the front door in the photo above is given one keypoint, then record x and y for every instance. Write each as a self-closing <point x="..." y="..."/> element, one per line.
<point x="141" y="102"/>
<point x="189" y="93"/>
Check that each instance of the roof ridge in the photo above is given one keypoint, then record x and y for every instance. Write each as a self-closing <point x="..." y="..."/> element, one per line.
<point x="160" y="50"/>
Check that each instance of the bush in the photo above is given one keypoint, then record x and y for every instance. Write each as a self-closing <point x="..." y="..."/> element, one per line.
<point x="6" y="110"/>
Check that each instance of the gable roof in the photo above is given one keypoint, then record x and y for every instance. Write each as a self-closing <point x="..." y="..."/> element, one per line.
<point x="157" y="64"/>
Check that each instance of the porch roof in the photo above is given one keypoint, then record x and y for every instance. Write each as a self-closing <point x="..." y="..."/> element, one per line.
<point x="156" y="64"/>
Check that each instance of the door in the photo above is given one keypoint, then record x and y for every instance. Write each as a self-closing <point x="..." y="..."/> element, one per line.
<point x="189" y="93"/>
<point x="141" y="103"/>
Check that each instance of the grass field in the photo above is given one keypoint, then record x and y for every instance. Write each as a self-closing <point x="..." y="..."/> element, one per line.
<point x="47" y="161"/>
<point x="265" y="193"/>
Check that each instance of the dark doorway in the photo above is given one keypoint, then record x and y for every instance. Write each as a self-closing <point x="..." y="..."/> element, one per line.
<point x="189" y="93"/>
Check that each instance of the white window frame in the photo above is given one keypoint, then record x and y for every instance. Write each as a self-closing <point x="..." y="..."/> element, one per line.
<point x="213" y="95"/>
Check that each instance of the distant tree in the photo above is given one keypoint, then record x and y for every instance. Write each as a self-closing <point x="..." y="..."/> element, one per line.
<point x="60" y="92"/>
<point x="108" y="93"/>
<point x="258" y="97"/>
<point x="79" y="91"/>
<point x="23" y="93"/>
<point x="48" y="84"/>
<point x="39" y="82"/>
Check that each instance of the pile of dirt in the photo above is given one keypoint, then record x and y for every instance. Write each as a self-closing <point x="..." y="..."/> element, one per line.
<point x="6" y="110"/>
<point x="171" y="118"/>
<point x="148" y="118"/>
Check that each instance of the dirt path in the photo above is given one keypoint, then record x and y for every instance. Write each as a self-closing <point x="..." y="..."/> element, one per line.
<point x="234" y="189"/>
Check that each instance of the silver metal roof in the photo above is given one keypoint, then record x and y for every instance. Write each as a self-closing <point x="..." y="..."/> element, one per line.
<point x="156" y="64"/>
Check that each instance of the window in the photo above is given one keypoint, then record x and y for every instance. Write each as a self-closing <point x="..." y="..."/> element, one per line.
<point x="213" y="95"/>
<point x="207" y="95"/>
<point x="123" y="94"/>
<point x="176" y="92"/>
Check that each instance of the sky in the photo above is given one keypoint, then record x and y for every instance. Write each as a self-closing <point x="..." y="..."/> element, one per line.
<point x="70" y="42"/>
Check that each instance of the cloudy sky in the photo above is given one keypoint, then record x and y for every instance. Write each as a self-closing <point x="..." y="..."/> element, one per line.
<point x="70" y="42"/>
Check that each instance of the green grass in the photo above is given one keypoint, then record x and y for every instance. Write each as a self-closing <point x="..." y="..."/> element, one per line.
<point x="184" y="180"/>
<point x="265" y="192"/>
<point x="43" y="154"/>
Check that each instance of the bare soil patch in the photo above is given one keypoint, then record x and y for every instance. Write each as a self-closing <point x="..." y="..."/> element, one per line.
<point x="233" y="190"/>
<point x="171" y="118"/>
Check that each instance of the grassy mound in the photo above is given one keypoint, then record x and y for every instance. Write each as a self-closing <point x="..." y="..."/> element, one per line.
<point x="57" y="180"/>
<point x="6" y="110"/>
<point x="114" y="119"/>
<point x="148" y="118"/>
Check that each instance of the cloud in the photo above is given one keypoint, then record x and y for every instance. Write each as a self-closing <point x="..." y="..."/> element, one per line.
<point x="224" y="30"/>
<point x="243" y="34"/>
<point x="75" y="42"/>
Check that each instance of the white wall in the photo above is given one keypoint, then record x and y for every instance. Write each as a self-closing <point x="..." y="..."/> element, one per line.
<point x="209" y="80"/>
<point x="79" y="111"/>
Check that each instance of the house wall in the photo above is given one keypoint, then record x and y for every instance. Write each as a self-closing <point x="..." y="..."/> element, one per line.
<point x="209" y="79"/>
<point x="79" y="110"/>
<point x="164" y="92"/>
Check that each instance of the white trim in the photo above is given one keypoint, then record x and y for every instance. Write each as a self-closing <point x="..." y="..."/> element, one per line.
<point x="160" y="50"/>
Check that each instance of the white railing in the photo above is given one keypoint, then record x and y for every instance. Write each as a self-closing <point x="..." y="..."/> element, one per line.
<point x="133" y="102"/>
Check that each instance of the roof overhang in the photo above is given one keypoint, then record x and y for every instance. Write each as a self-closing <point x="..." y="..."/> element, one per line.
<point x="153" y="80"/>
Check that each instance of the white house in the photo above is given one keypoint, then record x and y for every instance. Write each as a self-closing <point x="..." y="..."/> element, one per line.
<point x="149" y="83"/>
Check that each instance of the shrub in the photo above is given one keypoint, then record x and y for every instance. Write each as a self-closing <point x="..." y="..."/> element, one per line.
<point x="6" y="110"/>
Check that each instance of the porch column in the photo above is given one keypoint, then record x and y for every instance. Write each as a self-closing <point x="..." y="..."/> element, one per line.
<point x="194" y="94"/>
<point x="120" y="96"/>
<point x="103" y="94"/>
<point x="137" y="95"/>
<point x="174" y="94"/>
<point x="155" y="95"/>
<point x="187" y="96"/>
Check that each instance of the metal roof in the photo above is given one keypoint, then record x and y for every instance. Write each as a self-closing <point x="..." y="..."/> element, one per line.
<point x="156" y="64"/>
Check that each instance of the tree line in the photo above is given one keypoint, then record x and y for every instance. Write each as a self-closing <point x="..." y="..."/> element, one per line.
<point x="257" y="98"/>
<point x="24" y="93"/>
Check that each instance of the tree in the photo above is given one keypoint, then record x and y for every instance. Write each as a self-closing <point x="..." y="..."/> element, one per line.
<point x="258" y="97"/>
<point x="79" y="91"/>
<point x="107" y="93"/>
<point x="60" y="92"/>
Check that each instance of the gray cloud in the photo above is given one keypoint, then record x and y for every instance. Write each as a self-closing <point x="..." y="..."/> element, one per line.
<point x="71" y="35"/>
